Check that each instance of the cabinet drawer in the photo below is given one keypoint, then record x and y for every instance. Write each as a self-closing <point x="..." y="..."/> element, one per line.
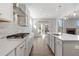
<point x="58" y="41"/>
<point x="58" y="47"/>
<point x="71" y="48"/>
<point x="12" y="53"/>
<point x="20" y="49"/>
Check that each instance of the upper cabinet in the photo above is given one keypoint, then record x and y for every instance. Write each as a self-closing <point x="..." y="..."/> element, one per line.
<point x="19" y="13"/>
<point x="6" y="12"/>
<point x="19" y="8"/>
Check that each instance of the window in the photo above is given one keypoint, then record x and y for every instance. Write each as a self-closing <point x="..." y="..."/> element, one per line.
<point x="77" y="23"/>
<point x="60" y="23"/>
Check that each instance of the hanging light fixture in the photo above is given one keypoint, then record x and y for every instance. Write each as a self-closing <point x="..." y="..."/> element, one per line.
<point x="74" y="10"/>
<point x="74" y="14"/>
<point x="65" y="18"/>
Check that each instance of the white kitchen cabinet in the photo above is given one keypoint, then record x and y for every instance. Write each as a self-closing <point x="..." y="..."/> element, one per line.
<point x="22" y="6"/>
<point x="20" y="50"/>
<point x="48" y="39"/>
<point x="29" y="43"/>
<point x="12" y="53"/>
<point x="29" y="46"/>
<point x="20" y="10"/>
<point x="71" y="48"/>
<point x="58" y="47"/>
<point x="64" y="45"/>
<point x="66" y="48"/>
<point x="52" y="44"/>
<point x="6" y="11"/>
<point x="22" y="21"/>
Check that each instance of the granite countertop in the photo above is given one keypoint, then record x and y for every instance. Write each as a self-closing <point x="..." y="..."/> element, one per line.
<point x="7" y="45"/>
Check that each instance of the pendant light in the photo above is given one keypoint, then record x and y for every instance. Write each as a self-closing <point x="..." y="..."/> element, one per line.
<point x="74" y="10"/>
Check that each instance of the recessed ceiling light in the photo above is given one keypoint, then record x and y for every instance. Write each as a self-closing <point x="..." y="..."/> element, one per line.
<point x="59" y="6"/>
<point x="41" y="9"/>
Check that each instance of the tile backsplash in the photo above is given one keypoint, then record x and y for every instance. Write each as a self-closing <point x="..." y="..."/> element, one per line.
<point x="9" y="28"/>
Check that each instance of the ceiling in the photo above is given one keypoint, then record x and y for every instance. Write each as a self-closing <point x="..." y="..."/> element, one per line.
<point x="51" y="10"/>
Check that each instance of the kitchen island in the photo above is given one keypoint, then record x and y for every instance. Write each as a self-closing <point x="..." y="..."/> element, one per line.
<point x="64" y="45"/>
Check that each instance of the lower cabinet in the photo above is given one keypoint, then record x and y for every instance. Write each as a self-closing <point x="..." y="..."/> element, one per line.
<point x="12" y="53"/>
<point x="71" y="48"/>
<point x="62" y="47"/>
<point x="66" y="48"/>
<point x="52" y="44"/>
<point x="24" y="48"/>
<point x="48" y="39"/>
<point x="29" y="43"/>
<point x="20" y="50"/>
<point x="58" y="47"/>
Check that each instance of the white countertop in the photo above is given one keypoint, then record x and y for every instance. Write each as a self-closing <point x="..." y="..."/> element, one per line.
<point x="67" y="37"/>
<point x="7" y="45"/>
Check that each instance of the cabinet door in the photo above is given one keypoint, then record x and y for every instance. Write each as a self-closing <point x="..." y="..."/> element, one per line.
<point x="58" y="47"/>
<point x="6" y="11"/>
<point x="20" y="50"/>
<point x="71" y="48"/>
<point x="30" y="44"/>
<point x="22" y="21"/>
<point x="12" y="53"/>
<point x="26" y="47"/>
<point x="22" y="6"/>
<point x="48" y="39"/>
<point x="23" y="50"/>
<point x="52" y="44"/>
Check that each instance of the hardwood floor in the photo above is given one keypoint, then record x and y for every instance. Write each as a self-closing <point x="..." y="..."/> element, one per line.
<point x="40" y="48"/>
